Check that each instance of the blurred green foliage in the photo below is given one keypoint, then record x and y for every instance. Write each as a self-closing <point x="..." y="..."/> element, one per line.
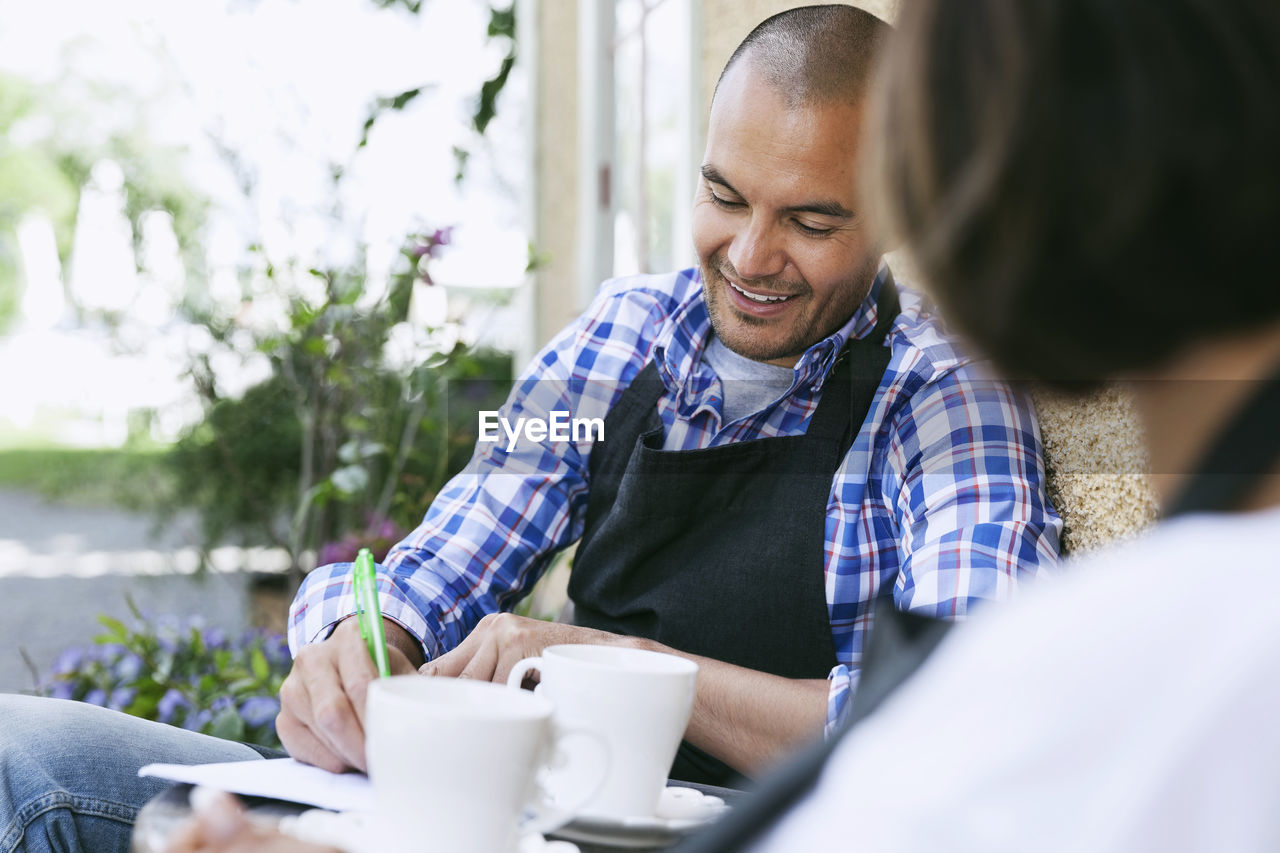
<point x="353" y="429"/>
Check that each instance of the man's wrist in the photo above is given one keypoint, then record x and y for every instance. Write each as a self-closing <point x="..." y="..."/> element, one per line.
<point x="399" y="638"/>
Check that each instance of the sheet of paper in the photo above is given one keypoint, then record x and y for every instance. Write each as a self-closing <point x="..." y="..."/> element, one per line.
<point x="278" y="778"/>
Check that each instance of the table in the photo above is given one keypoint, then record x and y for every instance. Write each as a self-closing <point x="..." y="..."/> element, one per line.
<point x="164" y="812"/>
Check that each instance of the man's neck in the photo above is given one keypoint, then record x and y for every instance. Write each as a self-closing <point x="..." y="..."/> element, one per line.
<point x="1189" y="401"/>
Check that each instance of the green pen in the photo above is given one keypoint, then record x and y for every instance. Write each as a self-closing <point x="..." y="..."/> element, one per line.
<point x="368" y="613"/>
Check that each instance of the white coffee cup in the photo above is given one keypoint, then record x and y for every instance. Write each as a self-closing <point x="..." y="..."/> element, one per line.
<point x="638" y="701"/>
<point x="454" y="764"/>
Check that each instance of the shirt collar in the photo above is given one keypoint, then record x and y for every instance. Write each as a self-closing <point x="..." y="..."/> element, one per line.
<point x="678" y="348"/>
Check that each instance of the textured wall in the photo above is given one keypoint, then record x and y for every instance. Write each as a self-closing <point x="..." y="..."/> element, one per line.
<point x="1097" y="467"/>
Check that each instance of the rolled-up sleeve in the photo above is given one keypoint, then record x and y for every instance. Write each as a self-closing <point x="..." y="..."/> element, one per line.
<point x="961" y="472"/>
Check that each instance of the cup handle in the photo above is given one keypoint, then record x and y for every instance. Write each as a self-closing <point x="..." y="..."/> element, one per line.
<point x="543" y="816"/>
<point x="521" y="669"/>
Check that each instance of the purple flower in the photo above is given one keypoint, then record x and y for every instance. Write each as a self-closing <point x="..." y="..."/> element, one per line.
<point x="222" y="703"/>
<point x="128" y="667"/>
<point x="385" y="529"/>
<point x="169" y="704"/>
<point x="276" y="649"/>
<point x="121" y="698"/>
<point x="68" y="661"/>
<point x="96" y="696"/>
<point x="215" y="638"/>
<point x="259" y="710"/>
<point x="62" y="689"/>
<point x="342" y="551"/>
<point x="197" y="721"/>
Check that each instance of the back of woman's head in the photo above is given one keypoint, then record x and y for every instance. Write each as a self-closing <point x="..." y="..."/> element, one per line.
<point x="1088" y="186"/>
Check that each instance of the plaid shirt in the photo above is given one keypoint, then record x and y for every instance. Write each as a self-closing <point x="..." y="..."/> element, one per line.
<point x="940" y="501"/>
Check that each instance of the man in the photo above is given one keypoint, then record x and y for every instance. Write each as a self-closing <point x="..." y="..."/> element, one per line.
<point x="788" y="437"/>
<point x="760" y="484"/>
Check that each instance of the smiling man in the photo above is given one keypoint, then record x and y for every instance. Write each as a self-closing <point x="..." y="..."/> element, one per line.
<point x="784" y="259"/>
<point x="788" y="437"/>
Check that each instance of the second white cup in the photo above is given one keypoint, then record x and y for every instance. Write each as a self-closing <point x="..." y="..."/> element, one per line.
<point x="638" y="702"/>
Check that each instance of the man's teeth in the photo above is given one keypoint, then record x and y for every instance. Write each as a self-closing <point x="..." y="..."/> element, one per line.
<point x="756" y="296"/>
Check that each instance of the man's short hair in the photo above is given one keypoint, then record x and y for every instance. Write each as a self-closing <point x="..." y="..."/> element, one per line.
<point x="1087" y="186"/>
<point x="814" y="54"/>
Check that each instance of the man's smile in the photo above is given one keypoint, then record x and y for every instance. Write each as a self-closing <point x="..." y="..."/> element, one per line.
<point x="758" y="297"/>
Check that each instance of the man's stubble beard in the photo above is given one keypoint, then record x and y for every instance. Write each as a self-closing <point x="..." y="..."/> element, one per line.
<point x="810" y="329"/>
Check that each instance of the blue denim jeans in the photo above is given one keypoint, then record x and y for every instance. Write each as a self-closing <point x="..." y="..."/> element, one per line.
<point x="69" y="772"/>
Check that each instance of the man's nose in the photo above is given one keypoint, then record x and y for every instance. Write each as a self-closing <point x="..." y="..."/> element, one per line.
<point x="756" y="251"/>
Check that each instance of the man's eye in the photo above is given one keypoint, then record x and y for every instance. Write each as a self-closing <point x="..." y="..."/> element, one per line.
<point x="724" y="202"/>
<point x="812" y="231"/>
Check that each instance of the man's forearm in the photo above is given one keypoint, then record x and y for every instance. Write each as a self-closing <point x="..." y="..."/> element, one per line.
<point x="751" y="720"/>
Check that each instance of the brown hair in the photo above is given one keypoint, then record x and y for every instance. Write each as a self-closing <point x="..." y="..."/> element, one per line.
<point x="1087" y="186"/>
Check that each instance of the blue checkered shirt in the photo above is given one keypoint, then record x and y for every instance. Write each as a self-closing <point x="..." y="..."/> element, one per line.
<point x="940" y="502"/>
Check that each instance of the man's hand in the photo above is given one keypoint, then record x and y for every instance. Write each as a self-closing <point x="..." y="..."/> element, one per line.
<point x="321" y="718"/>
<point x="501" y="640"/>
<point x="748" y="719"/>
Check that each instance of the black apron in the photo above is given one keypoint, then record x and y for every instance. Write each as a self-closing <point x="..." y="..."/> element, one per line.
<point x="1239" y="457"/>
<point x="720" y="552"/>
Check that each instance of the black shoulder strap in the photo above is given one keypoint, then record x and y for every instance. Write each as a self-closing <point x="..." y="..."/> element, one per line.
<point x="1240" y="454"/>
<point x="897" y="646"/>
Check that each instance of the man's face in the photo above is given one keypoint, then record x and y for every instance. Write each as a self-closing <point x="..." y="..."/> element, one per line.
<point x="785" y="258"/>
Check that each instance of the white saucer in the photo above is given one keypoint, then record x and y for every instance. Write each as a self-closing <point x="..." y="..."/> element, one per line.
<point x="680" y="811"/>
<point x="356" y="832"/>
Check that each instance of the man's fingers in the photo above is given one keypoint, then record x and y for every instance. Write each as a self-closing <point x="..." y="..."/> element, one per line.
<point x="333" y="719"/>
<point x="452" y="663"/>
<point x="482" y="663"/>
<point x="303" y="745"/>
<point x="507" y="661"/>
<point x="355" y="670"/>
<point x="293" y="723"/>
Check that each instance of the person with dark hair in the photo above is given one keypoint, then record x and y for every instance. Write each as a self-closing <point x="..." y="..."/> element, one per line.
<point x="788" y="438"/>
<point x="1092" y="191"/>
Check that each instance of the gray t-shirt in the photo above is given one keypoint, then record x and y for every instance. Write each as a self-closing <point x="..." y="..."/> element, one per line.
<point x="749" y="385"/>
